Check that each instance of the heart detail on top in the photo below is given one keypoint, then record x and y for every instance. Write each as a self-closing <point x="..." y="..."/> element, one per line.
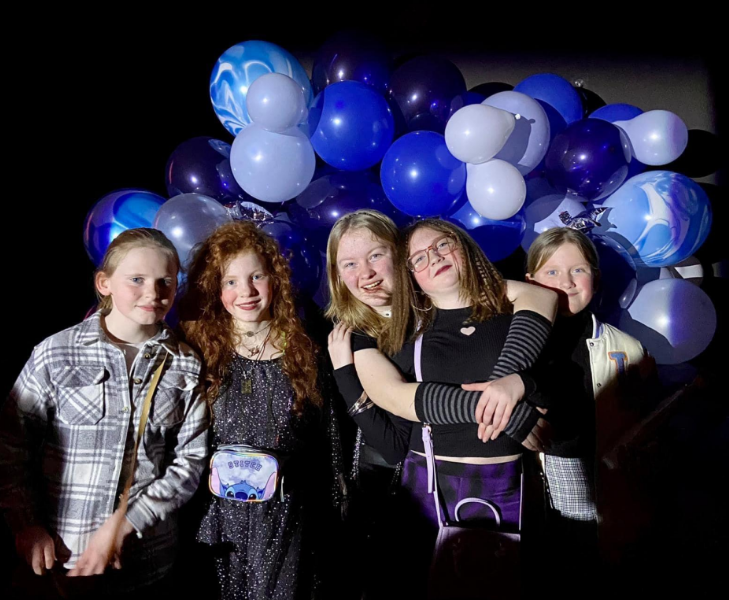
<point x="467" y="330"/>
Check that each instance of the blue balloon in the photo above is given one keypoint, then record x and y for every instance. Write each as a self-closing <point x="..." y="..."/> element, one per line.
<point x="498" y="239"/>
<point x="659" y="217"/>
<point x="304" y="259"/>
<point x="616" y="112"/>
<point x="332" y="196"/>
<point x="352" y="126"/>
<point x="555" y="91"/>
<point x="421" y="177"/>
<point x="238" y="67"/>
<point x="589" y="159"/>
<point x="201" y="165"/>
<point x="117" y="212"/>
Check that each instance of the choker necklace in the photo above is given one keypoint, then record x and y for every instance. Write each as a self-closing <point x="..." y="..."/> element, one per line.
<point x="250" y="334"/>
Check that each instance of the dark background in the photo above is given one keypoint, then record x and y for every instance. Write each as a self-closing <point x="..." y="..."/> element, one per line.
<point x="96" y="100"/>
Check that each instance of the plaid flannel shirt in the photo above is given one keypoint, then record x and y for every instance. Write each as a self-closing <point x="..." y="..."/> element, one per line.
<point x="67" y="433"/>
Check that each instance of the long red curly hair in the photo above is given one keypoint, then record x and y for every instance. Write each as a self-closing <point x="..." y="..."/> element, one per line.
<point x="209" y="327"/>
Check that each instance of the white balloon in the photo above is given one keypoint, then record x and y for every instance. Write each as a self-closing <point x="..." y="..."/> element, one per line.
<point x="495" y="189"/>
<point x="475" y="133"/>
<point x="276" y="102"/>
<point x="272" y="167"/>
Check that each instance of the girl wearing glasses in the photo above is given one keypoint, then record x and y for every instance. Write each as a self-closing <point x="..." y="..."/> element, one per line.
<point x="450" y="325"/>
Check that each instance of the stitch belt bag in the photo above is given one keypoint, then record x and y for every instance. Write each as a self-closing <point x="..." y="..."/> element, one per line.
<point x="244" y="474"/>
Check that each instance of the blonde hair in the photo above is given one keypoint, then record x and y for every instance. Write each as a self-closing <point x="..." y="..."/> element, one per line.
<point x="142" y="237"/>
<point x="481" y="286"/>
<point x="548" y="242"/>
<point x="343" y="306"/>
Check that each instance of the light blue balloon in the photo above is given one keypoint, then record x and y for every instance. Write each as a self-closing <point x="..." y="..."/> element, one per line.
<point x="659" y="217"/>
<point x="528" y="143"/>
<point x="658" y="137"/>
<point x="674" y="319"/>
<point x="542" y="208"/>
<point x="276" y="102"/>
<point x="238" y="67"/>
<point x="188" y="219"/>
<point x="272" y="167"/>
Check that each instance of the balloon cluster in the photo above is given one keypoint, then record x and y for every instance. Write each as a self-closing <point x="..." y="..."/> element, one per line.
<point x="506" y="163"/>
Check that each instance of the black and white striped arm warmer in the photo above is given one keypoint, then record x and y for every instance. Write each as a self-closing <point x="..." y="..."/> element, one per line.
<point x="448" y="405"/>
<point x="527" y="336"/>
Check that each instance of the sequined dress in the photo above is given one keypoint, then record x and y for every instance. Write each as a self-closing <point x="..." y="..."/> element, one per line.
<point x="265" y="550"/>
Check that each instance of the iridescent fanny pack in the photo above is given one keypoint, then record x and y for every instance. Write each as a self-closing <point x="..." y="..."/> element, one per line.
<point x="244" y="474"/>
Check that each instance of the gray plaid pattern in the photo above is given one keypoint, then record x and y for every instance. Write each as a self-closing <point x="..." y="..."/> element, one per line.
<point x="67" y="434"/>
<point x="571" y="488"/>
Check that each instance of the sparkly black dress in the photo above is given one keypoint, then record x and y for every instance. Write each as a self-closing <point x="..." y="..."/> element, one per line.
<point x="267" y="550"/>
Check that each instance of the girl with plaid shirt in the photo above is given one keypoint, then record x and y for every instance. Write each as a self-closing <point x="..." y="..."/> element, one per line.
<point x="69" y="429"/>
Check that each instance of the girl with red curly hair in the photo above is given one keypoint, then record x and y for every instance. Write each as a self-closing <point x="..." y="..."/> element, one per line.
<point x="263" y="390"/>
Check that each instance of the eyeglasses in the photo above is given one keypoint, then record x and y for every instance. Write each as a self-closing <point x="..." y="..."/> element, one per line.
<point x="442" y="247"/>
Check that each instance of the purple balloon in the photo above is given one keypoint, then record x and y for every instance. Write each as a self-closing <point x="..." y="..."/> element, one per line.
<point x="617" y="283"/>
<point x="201" y="165"/>
<point x="332" y="196"/>
<point x="465" y="99"/>
<point x="491" y="88"/>
<point x="423" y="88"/>
<point x="304" y="259"/>
<point x="352" y="56"/>
<point x="589" y="159"/>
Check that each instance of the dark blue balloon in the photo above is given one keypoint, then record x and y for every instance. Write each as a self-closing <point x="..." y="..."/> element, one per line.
<point x="556" y="91"/>
<point x="352" y="56"/>
<point x="423" y="89"/>
<point x="616" y="112"/>
<point x="621" y="112"/>
<point x="491" y="88"/>
<point x="465" y="99"/>
<point x="117" y="212"/>
<point x="304" y="258"/>
<point x="617" y="283"/>
<point x="589" y="159"/>
<point x="202" y="165"/>
<point x="352" y="126"/>
<point x="498" y="239"/>
<point x="421" y="177"/>
<point x="328" y="198"/>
